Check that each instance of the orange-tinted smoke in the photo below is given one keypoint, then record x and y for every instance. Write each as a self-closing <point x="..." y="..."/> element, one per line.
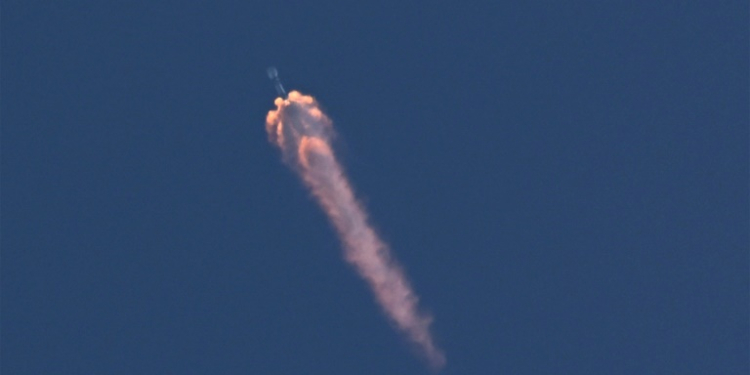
<point x="303" y="133"/>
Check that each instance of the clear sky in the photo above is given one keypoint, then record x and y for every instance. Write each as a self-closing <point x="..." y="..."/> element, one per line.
<point x="565" y="184"/>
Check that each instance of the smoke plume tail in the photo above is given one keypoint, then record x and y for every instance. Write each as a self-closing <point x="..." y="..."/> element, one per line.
<point x="303" y="133"/>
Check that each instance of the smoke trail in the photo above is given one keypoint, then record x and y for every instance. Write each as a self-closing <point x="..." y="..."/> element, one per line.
<point x="303" y="133"/>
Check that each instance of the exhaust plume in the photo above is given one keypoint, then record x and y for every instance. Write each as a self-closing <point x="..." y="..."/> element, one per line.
<point x="303" y="133"/>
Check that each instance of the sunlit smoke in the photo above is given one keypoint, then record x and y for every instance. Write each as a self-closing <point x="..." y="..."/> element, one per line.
<point x="303" y="133"/>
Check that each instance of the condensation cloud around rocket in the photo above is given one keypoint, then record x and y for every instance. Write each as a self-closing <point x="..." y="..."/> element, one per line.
<point x="303" y="133"/>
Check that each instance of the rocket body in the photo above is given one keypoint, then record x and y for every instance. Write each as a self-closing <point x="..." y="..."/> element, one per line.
<point x="273" y="75"/>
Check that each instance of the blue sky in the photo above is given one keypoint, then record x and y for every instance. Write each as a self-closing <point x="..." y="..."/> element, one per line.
<point x="565" y="185"/>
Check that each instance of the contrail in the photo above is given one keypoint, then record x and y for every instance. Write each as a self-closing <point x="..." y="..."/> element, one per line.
<point x="303" y="133"/>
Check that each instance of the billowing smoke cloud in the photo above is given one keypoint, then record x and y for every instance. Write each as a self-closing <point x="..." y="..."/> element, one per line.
<point x="303" y="133"/>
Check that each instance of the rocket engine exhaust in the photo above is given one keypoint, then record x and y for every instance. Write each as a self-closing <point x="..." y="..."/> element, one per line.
<point x="303" y="133"/>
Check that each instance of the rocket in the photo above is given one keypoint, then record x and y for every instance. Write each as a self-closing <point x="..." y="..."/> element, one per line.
<point x="273" y="75"/>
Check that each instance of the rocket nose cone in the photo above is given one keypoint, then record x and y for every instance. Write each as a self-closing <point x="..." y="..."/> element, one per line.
<point x="272" y="72"/>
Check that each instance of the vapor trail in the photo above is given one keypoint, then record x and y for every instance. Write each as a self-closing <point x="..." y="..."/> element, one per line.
<point x="303" y="133"/>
